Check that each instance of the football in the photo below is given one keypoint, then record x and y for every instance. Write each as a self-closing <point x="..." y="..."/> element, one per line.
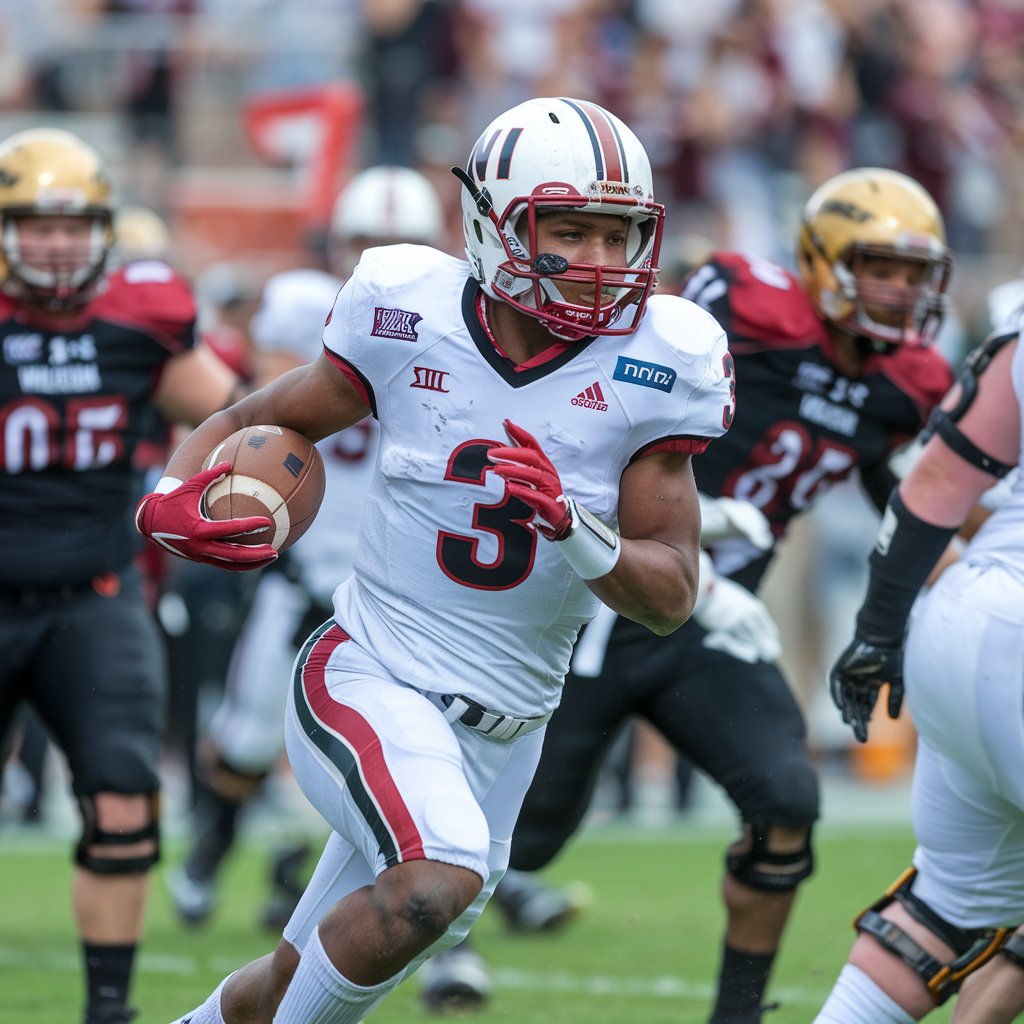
<point x="275" y="472"/>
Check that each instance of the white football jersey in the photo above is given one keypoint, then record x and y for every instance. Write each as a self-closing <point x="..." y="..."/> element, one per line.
<point x="291" y="315"/>
<point x="453" y="591"/>
<point x="1000" y="540"/>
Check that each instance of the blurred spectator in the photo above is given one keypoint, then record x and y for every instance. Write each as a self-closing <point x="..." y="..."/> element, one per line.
<point x="408" y="52"/>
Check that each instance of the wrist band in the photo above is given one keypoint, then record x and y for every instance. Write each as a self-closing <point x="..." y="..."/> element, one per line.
<point x="591" y="548"/>
<point x="167" y="483"/>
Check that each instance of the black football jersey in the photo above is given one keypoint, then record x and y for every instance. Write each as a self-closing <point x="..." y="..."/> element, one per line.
<point x="800" y="424"/>
<point x="74" y="408"/>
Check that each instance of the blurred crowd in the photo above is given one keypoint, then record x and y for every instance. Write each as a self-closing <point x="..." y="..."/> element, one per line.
<point x="744" y="105"/>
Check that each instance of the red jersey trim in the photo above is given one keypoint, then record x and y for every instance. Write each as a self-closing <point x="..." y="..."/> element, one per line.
<point x="675" y="445"/>
<point x="358" y="381"/>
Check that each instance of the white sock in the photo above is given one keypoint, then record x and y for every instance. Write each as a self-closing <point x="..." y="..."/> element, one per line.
<point x="856" y="999"/>
<point x="209" y="1011"/>
<point x="319" y="994"/>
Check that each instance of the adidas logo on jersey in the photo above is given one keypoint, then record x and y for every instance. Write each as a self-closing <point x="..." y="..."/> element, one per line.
<point x="592" y="398"/>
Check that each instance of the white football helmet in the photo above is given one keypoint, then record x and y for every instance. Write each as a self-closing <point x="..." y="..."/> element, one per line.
<point x="388" y="204"/>
<point x="560" y="154"/>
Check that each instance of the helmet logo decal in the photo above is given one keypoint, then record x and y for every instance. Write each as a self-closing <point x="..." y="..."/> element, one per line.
<point x="609" y="155"/>
<point x="481" y="157"/>
<point x="848" y="210"/>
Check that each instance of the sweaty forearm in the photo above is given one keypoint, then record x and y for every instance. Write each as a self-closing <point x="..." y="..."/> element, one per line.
<point x="187" y="459"/>
<point x="652" y="583"/>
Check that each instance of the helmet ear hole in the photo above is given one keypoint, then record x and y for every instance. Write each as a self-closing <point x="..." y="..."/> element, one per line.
<point x="478" y="231"/>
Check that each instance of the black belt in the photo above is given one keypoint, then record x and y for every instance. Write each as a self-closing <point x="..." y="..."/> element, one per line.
<point x="48" y="597"/>
<point x="491" y="723"/>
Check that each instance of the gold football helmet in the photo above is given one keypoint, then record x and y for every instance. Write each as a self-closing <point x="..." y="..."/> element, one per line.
<point x="46" y="172"/>
<point x="140" y="234"/>
<point x="868" y="213"/>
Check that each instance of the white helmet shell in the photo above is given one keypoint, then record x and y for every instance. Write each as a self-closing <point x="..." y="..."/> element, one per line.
<point x="388" y="204"/>
<point x="560" y="154"/>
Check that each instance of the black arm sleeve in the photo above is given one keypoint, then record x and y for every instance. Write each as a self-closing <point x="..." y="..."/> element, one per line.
<point x="878" y="482"/>
<point x="906" y="551"/>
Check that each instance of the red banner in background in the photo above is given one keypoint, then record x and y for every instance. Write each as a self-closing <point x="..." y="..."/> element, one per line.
<point x="313" y="130"/>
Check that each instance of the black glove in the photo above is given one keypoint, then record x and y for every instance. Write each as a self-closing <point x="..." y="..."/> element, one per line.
<point x="856" y="678"/>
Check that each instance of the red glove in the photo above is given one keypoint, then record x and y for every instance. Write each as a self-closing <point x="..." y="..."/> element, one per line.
<point x="175" y="521"/>
<point x="532" y="478"/>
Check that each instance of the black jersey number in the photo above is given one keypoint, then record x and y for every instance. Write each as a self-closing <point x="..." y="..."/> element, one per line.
<point x="507" y="521"/>
<point x="31" y="430"/>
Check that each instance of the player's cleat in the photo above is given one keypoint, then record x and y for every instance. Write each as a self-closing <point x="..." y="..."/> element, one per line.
<point x="455" y="981"/>
<point x="286" y="886"/>
<point x="531" y="905"/>
<point x="193" y="899"/>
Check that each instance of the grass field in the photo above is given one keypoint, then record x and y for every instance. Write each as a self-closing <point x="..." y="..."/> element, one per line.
<point x="643" y="953"/>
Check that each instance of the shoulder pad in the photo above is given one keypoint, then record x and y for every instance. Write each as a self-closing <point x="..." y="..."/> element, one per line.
<point x="153" y="297"/>
<point x="922" y="374"/>
<point x="394" y="266"/>
<point x="755" y="300"/>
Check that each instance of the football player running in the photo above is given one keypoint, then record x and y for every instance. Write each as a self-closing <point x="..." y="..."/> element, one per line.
<point x="946" y="925"/>
<point x="245" y="739"/>
<point x="88" y="354"/>
<point x="835" y="373"/>
<point x="538" y="412"/>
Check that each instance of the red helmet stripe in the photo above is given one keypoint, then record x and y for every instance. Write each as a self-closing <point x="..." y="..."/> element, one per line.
<point x="608" y="152"/>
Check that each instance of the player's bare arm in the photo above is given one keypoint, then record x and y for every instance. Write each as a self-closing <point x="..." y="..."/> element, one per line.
<point x="943" y="488"/>
<point x="654" y="581"/>
<point x="316" y="399"/>
<point x="194" y="385"/>
<point x="920" y="520"/>
<point x="656" y="585"/>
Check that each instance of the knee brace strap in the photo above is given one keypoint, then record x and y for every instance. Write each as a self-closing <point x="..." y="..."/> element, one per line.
<point x="974" y="947"/>
<point x="93" y="835"/>
<point x="1013" y="949"/>
<point x="754" y="867"/>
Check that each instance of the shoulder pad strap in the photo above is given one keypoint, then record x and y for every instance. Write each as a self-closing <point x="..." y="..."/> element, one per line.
<point x="942" y="423"/>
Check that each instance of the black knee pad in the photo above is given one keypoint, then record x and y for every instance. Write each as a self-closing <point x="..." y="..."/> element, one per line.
<point x="972" y="947"/>
<point x="763" y="868"/>
<point x="93" y="835"/>
<point x="1013" y="950"/>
